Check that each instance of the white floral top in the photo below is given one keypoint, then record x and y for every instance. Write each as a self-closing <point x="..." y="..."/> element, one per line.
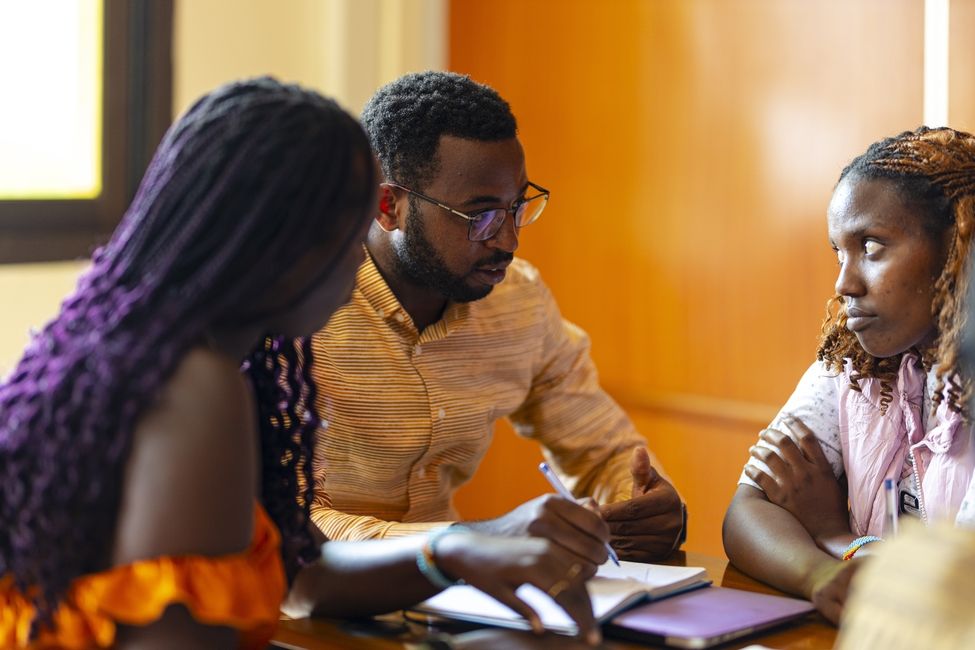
<point x="815" y="403"/>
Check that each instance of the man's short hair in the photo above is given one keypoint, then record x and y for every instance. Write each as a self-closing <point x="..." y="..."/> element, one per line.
<point x="405" y="119"/>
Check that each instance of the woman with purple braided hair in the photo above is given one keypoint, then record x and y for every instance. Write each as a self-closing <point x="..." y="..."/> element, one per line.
<point x="155" y="470"/>
<point x="879" y="426"/>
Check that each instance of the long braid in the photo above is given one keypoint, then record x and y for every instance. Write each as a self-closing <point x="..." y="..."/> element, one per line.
<point x="247" y="181"/>
<point x="286" y="442"/>
<point x="934" y="169"/>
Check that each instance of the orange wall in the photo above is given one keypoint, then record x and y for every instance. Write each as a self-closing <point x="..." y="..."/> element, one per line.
<point x="961" y="57"/>
<point x="691" y="147"/>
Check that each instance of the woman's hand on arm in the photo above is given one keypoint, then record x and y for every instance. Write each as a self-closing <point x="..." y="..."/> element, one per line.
<point x="768" y="543"/>
<point x="801" y="481"/>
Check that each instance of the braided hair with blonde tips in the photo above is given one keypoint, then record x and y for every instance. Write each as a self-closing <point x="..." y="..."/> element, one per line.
<point x="247" y="182"/>
<point x="933" y="170"/>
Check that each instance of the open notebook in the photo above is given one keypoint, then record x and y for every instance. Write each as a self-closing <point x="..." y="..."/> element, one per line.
<point x="612" y="590"/>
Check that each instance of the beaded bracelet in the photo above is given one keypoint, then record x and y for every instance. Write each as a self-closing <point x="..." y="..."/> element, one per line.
<point x="857" y="544"/>
<point x="426" y="562"/>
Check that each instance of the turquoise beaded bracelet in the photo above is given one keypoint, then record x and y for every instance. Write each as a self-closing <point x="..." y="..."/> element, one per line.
<point x="426" y="562"/>
<point x="857" y="544"/>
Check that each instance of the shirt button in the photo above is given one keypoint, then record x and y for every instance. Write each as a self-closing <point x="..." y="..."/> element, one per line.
<point x="422" y="472"/>
<point x="417" y="349"/>
<point x="382" y="313"/>
<point x="441" y="414"/>
<point x="399" y="317"/>
<point x="323" y="424"/>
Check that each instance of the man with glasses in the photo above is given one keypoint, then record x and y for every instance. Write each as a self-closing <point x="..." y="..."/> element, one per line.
<point x="446" y="332"/>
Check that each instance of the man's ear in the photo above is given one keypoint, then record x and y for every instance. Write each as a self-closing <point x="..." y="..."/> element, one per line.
<point x="387" y="216"/>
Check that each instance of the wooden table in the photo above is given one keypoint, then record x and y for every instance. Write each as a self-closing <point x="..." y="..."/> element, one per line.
<point x="810" y="633"/>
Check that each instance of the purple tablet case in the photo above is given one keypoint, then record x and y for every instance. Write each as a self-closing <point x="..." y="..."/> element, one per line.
<point x="706" y="617"/>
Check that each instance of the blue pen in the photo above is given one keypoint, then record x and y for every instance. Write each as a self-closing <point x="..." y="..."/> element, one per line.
<point x="890" y="502"/>
<point x="564" y="491"/>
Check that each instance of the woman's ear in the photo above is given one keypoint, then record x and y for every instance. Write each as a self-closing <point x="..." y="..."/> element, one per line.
<point x="387" y="217"/>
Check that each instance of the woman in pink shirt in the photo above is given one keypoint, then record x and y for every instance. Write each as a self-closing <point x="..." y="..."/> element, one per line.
<point x="885" y="398"/>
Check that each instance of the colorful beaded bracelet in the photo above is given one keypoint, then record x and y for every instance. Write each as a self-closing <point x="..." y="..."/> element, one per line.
<point x="857" y="544"/>
<point x="426" y="562"/>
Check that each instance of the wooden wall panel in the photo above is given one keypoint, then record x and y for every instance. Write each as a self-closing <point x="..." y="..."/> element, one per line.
<point x="691" y="147"/>
<point x="961" y="59"/>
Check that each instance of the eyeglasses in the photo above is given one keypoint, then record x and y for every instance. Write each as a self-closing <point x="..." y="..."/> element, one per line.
<point x="485" y="224"/>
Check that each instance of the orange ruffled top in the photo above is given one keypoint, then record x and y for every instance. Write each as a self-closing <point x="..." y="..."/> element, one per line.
<point x="243" y="591"/>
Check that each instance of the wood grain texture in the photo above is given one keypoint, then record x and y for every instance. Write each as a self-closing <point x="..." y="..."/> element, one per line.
<point x="961" y="56"/>
<point x="691" y="147"/>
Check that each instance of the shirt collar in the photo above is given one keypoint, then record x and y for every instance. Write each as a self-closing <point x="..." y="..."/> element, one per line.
<point x="372" y="285"/>
<point x="374" y="288"/>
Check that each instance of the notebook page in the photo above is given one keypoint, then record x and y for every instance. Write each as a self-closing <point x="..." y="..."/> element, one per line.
<point x="611" y="587"/>
<point x="653" y="578"/>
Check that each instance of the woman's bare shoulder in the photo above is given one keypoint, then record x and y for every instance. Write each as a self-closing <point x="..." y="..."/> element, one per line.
<point x="205" y="378"/>
<point x="191" y="476"/>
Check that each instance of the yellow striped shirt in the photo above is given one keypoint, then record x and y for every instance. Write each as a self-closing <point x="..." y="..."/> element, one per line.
<point x="408" y="415"/>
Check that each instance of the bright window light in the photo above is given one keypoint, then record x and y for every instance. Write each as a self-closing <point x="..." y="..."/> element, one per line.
<point x="51" y="112"/>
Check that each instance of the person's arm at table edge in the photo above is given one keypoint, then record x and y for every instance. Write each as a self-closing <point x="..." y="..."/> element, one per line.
<point x="354" y="579"/>
<point x="769" y="544"/>
<point x="365" y="571"/>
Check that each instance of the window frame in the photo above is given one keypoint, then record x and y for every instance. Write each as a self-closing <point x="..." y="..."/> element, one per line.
<point x="137" y="101"/>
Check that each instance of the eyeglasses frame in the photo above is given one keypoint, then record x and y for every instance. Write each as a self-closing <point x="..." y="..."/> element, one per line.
<point x="471" y="218"/>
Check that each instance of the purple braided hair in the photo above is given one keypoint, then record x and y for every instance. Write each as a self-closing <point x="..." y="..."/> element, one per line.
<point x="250" y="178"/>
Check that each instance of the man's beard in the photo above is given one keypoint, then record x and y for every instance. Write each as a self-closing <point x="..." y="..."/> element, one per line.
<point x="417" y="261"/>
